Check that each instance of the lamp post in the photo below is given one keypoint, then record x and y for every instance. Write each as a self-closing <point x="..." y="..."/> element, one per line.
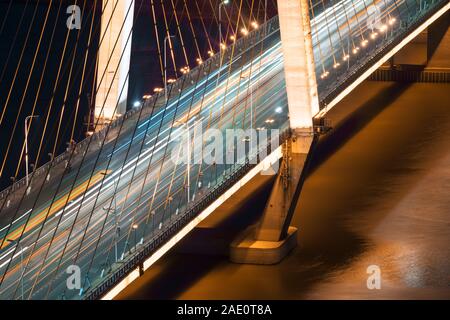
<point x="169" y="201"/>
<point x="265" y="14"/>
<point x="135" y="227"/>
<point x="251" y="98"/>
<point x="165" y="64"/>
<point x="116" y="225"/>
<point x="188" y="156"/>
<point x="26" y="147"/>
<point x="188" y="163"/>
<point x="116" y="220"/>
<point x="221" y="4"/>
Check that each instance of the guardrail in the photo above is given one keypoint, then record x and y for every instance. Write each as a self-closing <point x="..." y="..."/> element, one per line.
<point x="410" y="76"/>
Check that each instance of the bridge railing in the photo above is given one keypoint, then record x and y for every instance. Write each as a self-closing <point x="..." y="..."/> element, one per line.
<point x="432" y="76"/>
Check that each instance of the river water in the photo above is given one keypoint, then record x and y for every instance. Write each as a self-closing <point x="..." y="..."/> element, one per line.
<point x="378" y="194"/>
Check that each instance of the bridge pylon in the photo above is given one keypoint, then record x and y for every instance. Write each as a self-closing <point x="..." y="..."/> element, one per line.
<point x="114" y="61"/>
<point x="273" y="237"/>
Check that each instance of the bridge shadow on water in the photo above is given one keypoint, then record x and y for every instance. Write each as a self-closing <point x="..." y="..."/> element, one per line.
<point x="327" y="245"/>
<point x="353" y="123"/>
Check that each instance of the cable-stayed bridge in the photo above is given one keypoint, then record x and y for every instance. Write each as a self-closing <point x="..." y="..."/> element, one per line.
<point x="115" y="202"/>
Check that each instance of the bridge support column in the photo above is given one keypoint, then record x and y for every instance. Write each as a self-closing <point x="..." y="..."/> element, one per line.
<point x="273" y="237"/>
<point x="299" y="65"/>
<point x="114" y="61"/>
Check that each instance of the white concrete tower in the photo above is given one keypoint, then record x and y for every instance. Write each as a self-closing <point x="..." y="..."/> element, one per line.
<point x="299" y="67"/>
<point x="273" y="237"/>
<point x="114" y="57"/>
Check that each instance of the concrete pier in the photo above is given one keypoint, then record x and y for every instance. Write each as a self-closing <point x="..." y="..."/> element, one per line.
<point x="270" y="240"/>
<point x="114" y="61"/>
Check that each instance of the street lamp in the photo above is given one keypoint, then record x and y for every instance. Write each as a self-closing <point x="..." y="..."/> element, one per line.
<point x="169" y="200"/>
<point x="12" y="241"/>
<point x="188" y="157"/>
<point x="26" y="147"/>
<point x="265" y="13"/>
<point x="117" y="226"/>
<point x="185" y="70"/>
<point x="251" y="98"/>
<point x="116" y="220"/>
<point x="188" y="163"/>
<point x="221" y="4"/>
<point x="135" y="227"/>
<point x="165" y="64"/>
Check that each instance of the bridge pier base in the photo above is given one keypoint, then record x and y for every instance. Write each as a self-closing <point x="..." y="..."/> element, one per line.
<point x="246" y="249"/>
<point x="273" y="238"/>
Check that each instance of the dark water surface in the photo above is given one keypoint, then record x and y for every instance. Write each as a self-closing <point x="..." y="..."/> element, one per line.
<point x="378" y="194"/>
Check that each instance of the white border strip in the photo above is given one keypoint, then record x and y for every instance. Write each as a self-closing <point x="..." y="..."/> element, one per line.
<point x="385" y="58"/>
<point x="263" y="165"/>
